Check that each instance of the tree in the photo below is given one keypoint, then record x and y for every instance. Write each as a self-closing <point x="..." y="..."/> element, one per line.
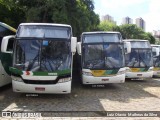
<point x="10" y="13"/>
<point x="78" y="13"/>
<point x="107" y="26"/>
<point x="151" y="38"/>
<point x="131" y="31"/>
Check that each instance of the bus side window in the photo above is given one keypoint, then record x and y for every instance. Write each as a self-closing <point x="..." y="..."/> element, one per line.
<point x="10" y="44"/>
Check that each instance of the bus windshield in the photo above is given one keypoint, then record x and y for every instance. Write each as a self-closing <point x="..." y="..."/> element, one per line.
<point x="103" y="56"/>
<point x="42" y="55"/>
<point x="139" y="58"/>
<point x="156" y="59"/>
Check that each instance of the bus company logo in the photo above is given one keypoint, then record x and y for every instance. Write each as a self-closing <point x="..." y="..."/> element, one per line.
<point x="6" y="114"/>
<point x="52" y="73"/>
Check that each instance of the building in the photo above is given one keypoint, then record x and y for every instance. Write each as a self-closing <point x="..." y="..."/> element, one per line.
<point x="127" y="20"/>
<point x="108" y="18"/>
<point x="140" y="23"/>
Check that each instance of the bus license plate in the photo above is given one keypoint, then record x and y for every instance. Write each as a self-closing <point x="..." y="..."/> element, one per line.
<point x="105" y="79"/>
<point x="139" y="74"/>
<point x="39" y="88"/>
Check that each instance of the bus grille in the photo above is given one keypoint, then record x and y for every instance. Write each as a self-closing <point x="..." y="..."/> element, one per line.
<point x="44" y="82"/>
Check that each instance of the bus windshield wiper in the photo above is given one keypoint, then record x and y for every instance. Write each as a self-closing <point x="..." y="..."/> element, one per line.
<point x="110" y="61"/>
<point x="34" y="60"/>
<point x="32" y="63"/>
<point x="143" y="61"/>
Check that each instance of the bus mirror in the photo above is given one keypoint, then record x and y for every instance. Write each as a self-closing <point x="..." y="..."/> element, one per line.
<point x="79" y="48"/>
<point x="7" y="44"/>
<point x="127" y="47"/>
<point x="155" y="50"/>
<point x="73" y="44"/>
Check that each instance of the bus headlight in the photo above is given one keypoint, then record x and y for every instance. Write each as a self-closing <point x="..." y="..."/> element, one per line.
<point x="128" y="70"/>
<point x="64" y="80"/>
<point x="19" y="79"/>
<point x="150" y="69"/>
<point x="87" y="73"/>
<point x="121" y="72"/>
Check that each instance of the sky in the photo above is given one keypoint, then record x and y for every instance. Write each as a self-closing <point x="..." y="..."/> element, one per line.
<point x="149" y="10"/>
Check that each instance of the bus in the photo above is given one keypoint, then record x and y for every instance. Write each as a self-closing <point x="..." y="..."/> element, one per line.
<point x="102" y="57"/>
<point x="139" y="63"/>
<point x="156" y="60"/>
<point x="42" y="58"/>
<point x="5" y="58"/>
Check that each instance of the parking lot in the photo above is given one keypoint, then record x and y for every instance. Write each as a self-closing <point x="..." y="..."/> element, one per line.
<point x="135" y="95"/>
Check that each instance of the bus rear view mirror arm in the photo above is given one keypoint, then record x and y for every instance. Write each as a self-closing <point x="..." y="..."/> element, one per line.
<point x="127" y="46"/>
<point x="7" y="44"/>
<point x="157" y="51"/>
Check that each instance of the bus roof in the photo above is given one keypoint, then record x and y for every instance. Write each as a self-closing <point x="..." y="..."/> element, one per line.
<point x="155" y="45"/>
<point x="136" y="40"/>
<point x="7" y="26"/>
<point x="49" y="24"/>
<point x="99" y="32"/>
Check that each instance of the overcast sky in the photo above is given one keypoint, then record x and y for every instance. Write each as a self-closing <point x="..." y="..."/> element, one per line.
<point x="149" y="10"/>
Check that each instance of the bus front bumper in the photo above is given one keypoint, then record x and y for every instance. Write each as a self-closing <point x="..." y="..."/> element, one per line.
<point x="59" y="88"/>
<point x="103" y="80"/>
<point x="148" y="74"/>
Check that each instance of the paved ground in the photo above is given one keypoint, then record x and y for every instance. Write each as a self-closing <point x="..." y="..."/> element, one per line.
<point x="129" y="96"/>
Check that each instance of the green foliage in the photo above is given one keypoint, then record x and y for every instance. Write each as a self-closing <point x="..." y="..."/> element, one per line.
<point x="157" y="41"/>
<point x="151" y="38"/>
<point x="78" y="13"/>
<point x="131" y="31"/>
<point x="107" y="26"/>
<point x="10" y="13"/>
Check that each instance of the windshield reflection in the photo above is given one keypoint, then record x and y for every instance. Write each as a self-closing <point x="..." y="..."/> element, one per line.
<point x="103" y="56"/>
<point x="42" y="55"/>
<point x="156" y="60"/>
<point x="113" y="55"/>
<point x="139" y="58"/>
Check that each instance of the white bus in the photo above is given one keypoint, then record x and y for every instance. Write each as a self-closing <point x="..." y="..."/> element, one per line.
<point x="102" y="57"/>
<point x="139" y="63"/>
<point x="42" y="58"/>
<point x="156" y="60"/>
<point x="5" y="58"/>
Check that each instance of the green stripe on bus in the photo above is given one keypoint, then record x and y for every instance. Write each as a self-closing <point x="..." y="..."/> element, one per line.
<point x="144" y="69"/>
<point x="15" y="71"/>
<point x="55" y="73"/>
<point x="6" y="60"/>
<point x="110" y="72"/>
